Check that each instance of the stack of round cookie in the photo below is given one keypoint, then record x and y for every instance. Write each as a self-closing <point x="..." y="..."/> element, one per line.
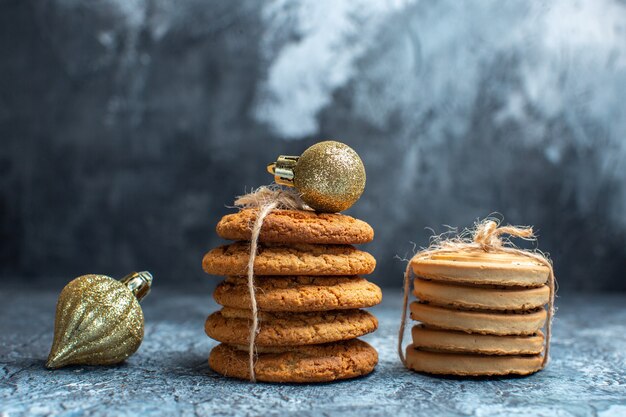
<point x="481" y="314"/>
<point x="308" y="292"/>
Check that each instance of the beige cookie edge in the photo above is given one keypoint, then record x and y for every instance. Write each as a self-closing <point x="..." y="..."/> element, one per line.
<point x="524" y="273"/>
<point x="497" y="323"/>
<point x="461" y="342"/>
<point x="476" y="297"/>
<point x="440" y="363"/>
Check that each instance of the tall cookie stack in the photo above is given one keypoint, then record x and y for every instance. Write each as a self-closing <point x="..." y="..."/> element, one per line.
<point x="480" y="313"/>
<point x="308" y="292"/>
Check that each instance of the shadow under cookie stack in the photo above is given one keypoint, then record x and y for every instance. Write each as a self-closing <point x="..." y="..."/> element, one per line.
<point x="309" y="297"/>
<point x="481" y="314"/>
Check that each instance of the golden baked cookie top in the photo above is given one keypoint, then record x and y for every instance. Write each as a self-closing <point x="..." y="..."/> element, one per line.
<point x="294" y="259"/>
<point x="299" y="293"/>
<point x="232" y="326"/>
<point x="296" y="226"/>
<point x="482" y="268"/>
<point x="301" y="364"/>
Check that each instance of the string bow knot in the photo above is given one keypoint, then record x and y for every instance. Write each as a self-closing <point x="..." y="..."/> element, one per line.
<point x="487" y="234"/>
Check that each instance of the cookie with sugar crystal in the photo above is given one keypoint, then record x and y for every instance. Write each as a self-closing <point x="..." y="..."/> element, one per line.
<point x="480" y="297"/>
<point x="482" y="268"/>
<point x="461" y="342"/>
<point x="482" y="322"/>
<point x="232" y="326"/>
<point x="296" y="226"/>
<point x="299" y="293"/>
<point x="299" y="364"/>
<point x="459" y="364"/>
<point x="293" y="259"/>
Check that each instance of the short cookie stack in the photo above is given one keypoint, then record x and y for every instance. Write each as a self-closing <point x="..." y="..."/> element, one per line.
<point x="481" y="314"/>
<point x="309" y="296"/>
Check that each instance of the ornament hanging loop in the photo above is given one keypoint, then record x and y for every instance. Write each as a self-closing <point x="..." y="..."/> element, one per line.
<point x="283" y="168"/>
<point x="139" y="283"/>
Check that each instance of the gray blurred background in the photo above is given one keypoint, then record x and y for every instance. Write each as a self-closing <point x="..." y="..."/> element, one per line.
<point x="128" y="126"/>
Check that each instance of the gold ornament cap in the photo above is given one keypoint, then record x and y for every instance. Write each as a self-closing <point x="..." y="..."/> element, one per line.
<point x="139" y="283"/>
<point x="329" y="175"/>
<point x="99" y="320"/>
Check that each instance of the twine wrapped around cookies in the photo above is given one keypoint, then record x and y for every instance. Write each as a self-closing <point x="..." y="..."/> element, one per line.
<point x="486" y="236"/>
<point x="265" y="199"/>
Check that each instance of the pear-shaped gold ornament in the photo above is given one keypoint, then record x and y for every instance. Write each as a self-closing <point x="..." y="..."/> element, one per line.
<point x="99" y="320"/>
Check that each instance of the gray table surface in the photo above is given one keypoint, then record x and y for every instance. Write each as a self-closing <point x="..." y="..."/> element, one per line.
<point x="169" y="375"/>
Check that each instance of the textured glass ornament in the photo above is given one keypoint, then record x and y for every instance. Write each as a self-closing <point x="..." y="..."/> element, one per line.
<point x="329" y="175"/>
<point x="99" y="320"/>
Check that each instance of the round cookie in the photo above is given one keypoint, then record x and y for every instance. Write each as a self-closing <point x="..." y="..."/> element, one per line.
<point x="460" y="342"/>
<point x="498" y="323"/>
<point x="442" y="363"/>
<point x="295" y="259"/>
<point x="296" y="226"/>
<point x="299" y="293"/>
<point x="474" y="297"/>
<point x="232" y="326"/>
<point x="482" y="268"/>
<point x="301" y="364"/>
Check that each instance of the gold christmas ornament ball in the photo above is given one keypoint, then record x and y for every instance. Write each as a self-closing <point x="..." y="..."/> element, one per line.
<point x="329" y="175"/>
<point x="99" y="320"/>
